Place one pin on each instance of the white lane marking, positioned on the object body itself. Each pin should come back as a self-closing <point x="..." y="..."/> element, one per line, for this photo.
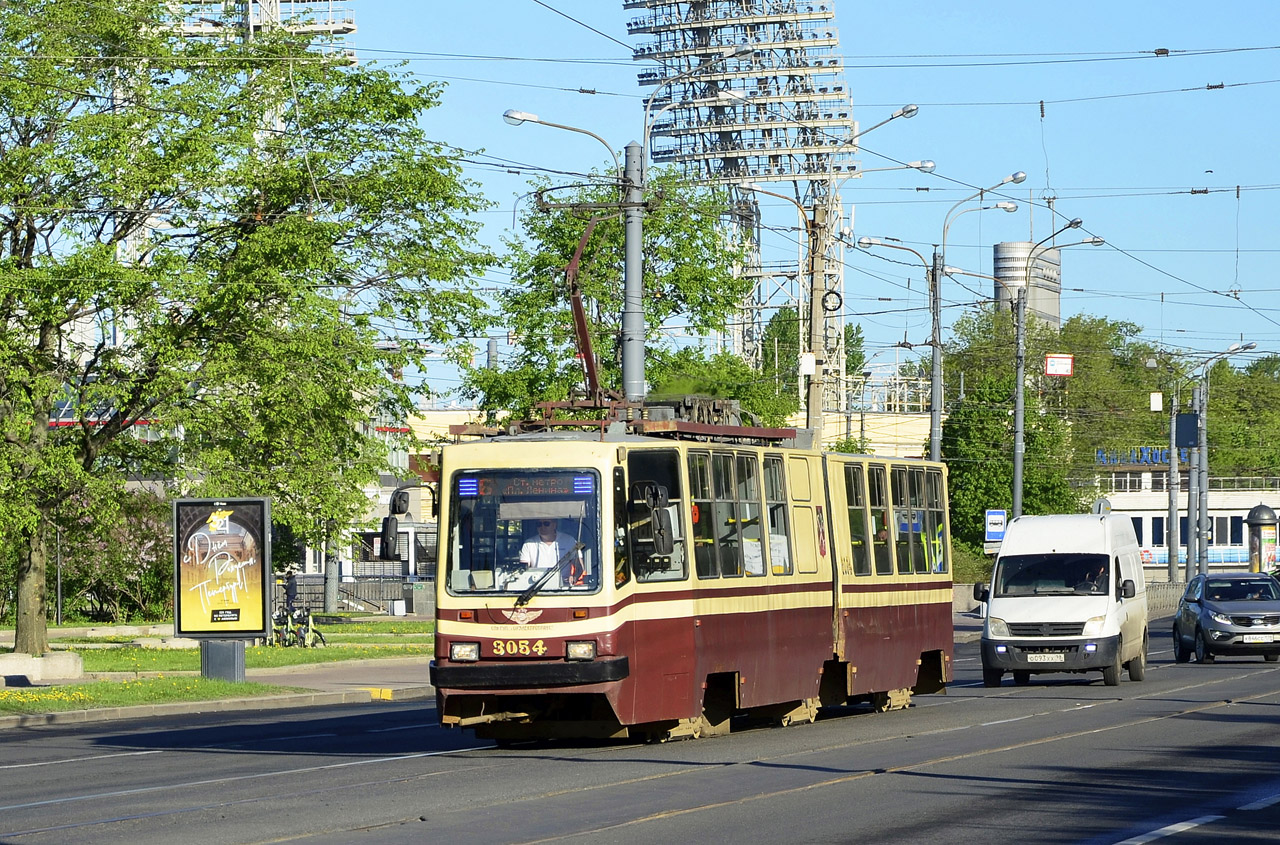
<point x="424" y="725"/>
<point x="1261" y="804"/>
<point x="233" y="779"/>
<point x="1169" y="830"/>
<point x="78" y="759"/>
<point x="1004" y="721"/>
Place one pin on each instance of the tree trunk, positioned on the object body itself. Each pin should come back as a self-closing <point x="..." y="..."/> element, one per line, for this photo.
<point x="32" y="631"/>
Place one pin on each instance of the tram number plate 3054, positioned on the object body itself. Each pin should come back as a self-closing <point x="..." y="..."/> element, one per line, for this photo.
<point x="512" y="648"/>
<point x="1046" y="657"/>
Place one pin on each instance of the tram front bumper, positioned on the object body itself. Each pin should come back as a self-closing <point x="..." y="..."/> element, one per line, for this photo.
<point x="488" y="675"/>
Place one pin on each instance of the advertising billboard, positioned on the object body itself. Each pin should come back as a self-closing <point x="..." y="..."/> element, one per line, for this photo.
<point x="222" y="567"/>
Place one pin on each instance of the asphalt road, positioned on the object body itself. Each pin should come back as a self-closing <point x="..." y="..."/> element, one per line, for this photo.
<point x="1192" y="754"/>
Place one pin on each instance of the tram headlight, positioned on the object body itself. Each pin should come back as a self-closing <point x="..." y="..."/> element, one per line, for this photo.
<point x="464" y="652"/>
<point x="580" y="651"/>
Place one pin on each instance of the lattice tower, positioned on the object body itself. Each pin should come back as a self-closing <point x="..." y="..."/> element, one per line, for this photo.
<point x="750" y="92"/>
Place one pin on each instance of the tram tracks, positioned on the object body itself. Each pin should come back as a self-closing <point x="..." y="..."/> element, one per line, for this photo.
<point x="301" y="784"/>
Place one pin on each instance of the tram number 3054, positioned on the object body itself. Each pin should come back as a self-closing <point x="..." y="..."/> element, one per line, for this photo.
<point x="510" y="648"/>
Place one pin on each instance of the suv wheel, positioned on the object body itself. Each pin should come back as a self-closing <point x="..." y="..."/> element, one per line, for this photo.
<point x="1203" y="655"/>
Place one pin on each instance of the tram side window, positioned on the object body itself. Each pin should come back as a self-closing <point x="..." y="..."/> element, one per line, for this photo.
<point x="726" y="514"/>
<point x="651" y="472"/>
<point x="857" y="519"/>
<point x="704" y="537"/>
<point x="754" y="554"/>
<point x="621" y="522"/>
<point x="775" y="502"/>
<point x="904" y="527"/>
<point x="878" y="500"/>
<point x="937" y="549"/>
<point x="919" y="527"/>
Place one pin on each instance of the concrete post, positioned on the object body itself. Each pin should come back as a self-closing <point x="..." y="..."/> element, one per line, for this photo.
<point x="633" y="326"/>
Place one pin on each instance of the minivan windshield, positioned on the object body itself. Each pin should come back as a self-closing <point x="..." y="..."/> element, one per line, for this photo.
<point x="1061" y="573"/>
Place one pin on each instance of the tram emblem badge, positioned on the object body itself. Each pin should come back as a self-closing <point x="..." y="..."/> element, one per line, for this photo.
<point x="522" y="615"/>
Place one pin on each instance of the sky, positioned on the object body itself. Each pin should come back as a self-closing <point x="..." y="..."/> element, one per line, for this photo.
<point x="1153" y="122"/>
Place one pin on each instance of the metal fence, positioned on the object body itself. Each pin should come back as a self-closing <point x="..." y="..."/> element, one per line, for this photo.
<point x="375" y="595"/>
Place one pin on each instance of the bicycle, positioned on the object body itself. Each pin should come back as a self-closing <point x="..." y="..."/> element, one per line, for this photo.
<point x="305" y="632"/>
<point x="282" y="632"/>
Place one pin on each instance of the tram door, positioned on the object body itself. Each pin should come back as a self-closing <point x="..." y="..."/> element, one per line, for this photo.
<point x="655" y="567"/>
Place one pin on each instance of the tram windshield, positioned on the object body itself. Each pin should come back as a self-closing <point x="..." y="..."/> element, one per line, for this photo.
<point x="524" y="532"/>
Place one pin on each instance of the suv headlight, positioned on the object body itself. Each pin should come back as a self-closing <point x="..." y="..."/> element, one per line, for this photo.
<point x="996" y="627"/>
<point x="464" y="652"/>
<point x="1093" y="627"/>
<point x="1220" y="618"/>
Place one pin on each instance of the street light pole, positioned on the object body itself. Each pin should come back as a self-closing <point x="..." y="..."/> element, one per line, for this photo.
<point x="1202" y="425"/>
<point x="1019" y="401"/>
<point x="935" y="313"/>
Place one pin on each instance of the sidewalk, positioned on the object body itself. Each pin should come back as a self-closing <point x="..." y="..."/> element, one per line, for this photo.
<point x="323" y="684"/>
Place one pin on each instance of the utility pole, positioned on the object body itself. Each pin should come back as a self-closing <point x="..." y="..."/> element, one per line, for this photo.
<point x="633" y="334"/>
<point x="817" y="320"/>
<point x="1193" y="495"/>
<point x="935" y="375"/>
<point x="1171" y="527"/>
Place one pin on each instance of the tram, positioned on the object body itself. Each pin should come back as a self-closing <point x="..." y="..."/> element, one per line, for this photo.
<point x="657" y="577"/>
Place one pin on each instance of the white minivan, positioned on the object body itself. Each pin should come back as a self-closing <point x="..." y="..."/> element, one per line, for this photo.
<point x="1066" y="595"/>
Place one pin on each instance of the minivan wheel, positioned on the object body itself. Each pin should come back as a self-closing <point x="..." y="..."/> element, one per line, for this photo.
<point x="1111" y="674"/>
<point x="1021" y="677"/>
<point x="1203" y="655"/>
<point x="1180" y="652"/>
<point x="1138" y="668"/>
<point x="991" y="676"/>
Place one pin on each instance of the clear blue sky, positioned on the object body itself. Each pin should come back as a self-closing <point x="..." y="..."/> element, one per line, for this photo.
<point x="1179" y="175"/>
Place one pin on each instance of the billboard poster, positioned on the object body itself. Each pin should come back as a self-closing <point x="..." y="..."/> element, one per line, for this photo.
<point x="222" y="567"/>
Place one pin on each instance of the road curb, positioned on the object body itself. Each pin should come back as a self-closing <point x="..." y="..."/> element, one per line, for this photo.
<point x="221" y="705"/>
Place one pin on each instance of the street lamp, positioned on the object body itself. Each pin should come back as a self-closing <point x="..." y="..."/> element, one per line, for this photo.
<point x="1020" y="318"/>
<point x="933" y="273"/>
<point x="1171" y="518"/>
<point x="515" y="117"/>
<point x="1202" y="412"/>
<point x="1019" y="445"/>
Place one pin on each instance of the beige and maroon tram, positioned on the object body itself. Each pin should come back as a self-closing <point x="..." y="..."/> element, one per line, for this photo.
<point x="657" y="578"/>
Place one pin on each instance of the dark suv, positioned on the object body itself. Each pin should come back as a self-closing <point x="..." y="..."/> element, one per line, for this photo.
<point x="1229" y="613"/>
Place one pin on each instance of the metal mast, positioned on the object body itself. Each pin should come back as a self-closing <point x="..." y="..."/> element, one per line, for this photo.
<point x="778" y="113"/>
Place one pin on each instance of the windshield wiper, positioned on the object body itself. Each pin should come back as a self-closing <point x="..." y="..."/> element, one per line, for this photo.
<point x="524" y="597"/>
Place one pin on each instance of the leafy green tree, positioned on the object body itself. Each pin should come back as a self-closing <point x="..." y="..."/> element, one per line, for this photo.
<point x="977" y="446"/>
<point x="1243" y="432"/>
<point x="688" y="278"/>
<point x="723" y="375"/>
<point x="121" y="569"/>
<point x="209" y="237"/>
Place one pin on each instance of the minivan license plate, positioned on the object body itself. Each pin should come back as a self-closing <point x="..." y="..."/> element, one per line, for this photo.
<point x="1046" y="657"/>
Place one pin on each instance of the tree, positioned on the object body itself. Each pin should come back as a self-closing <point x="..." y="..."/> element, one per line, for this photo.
<point x="205" y="241"/>
<point x="722" y="375"/>
<point x="688" y="278"/>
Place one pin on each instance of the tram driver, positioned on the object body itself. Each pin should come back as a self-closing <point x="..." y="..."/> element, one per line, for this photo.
<point x="548" y="548"/>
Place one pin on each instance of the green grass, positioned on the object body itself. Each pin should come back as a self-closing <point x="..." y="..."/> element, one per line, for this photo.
<point x="126" y="693"/>
<point x="351" y="637"/>
<point x="139" y="659"/>
<point x="381" y="628"/>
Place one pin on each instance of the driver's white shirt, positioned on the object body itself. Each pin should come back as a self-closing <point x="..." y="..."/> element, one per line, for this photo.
<point x="541" y="555"/>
